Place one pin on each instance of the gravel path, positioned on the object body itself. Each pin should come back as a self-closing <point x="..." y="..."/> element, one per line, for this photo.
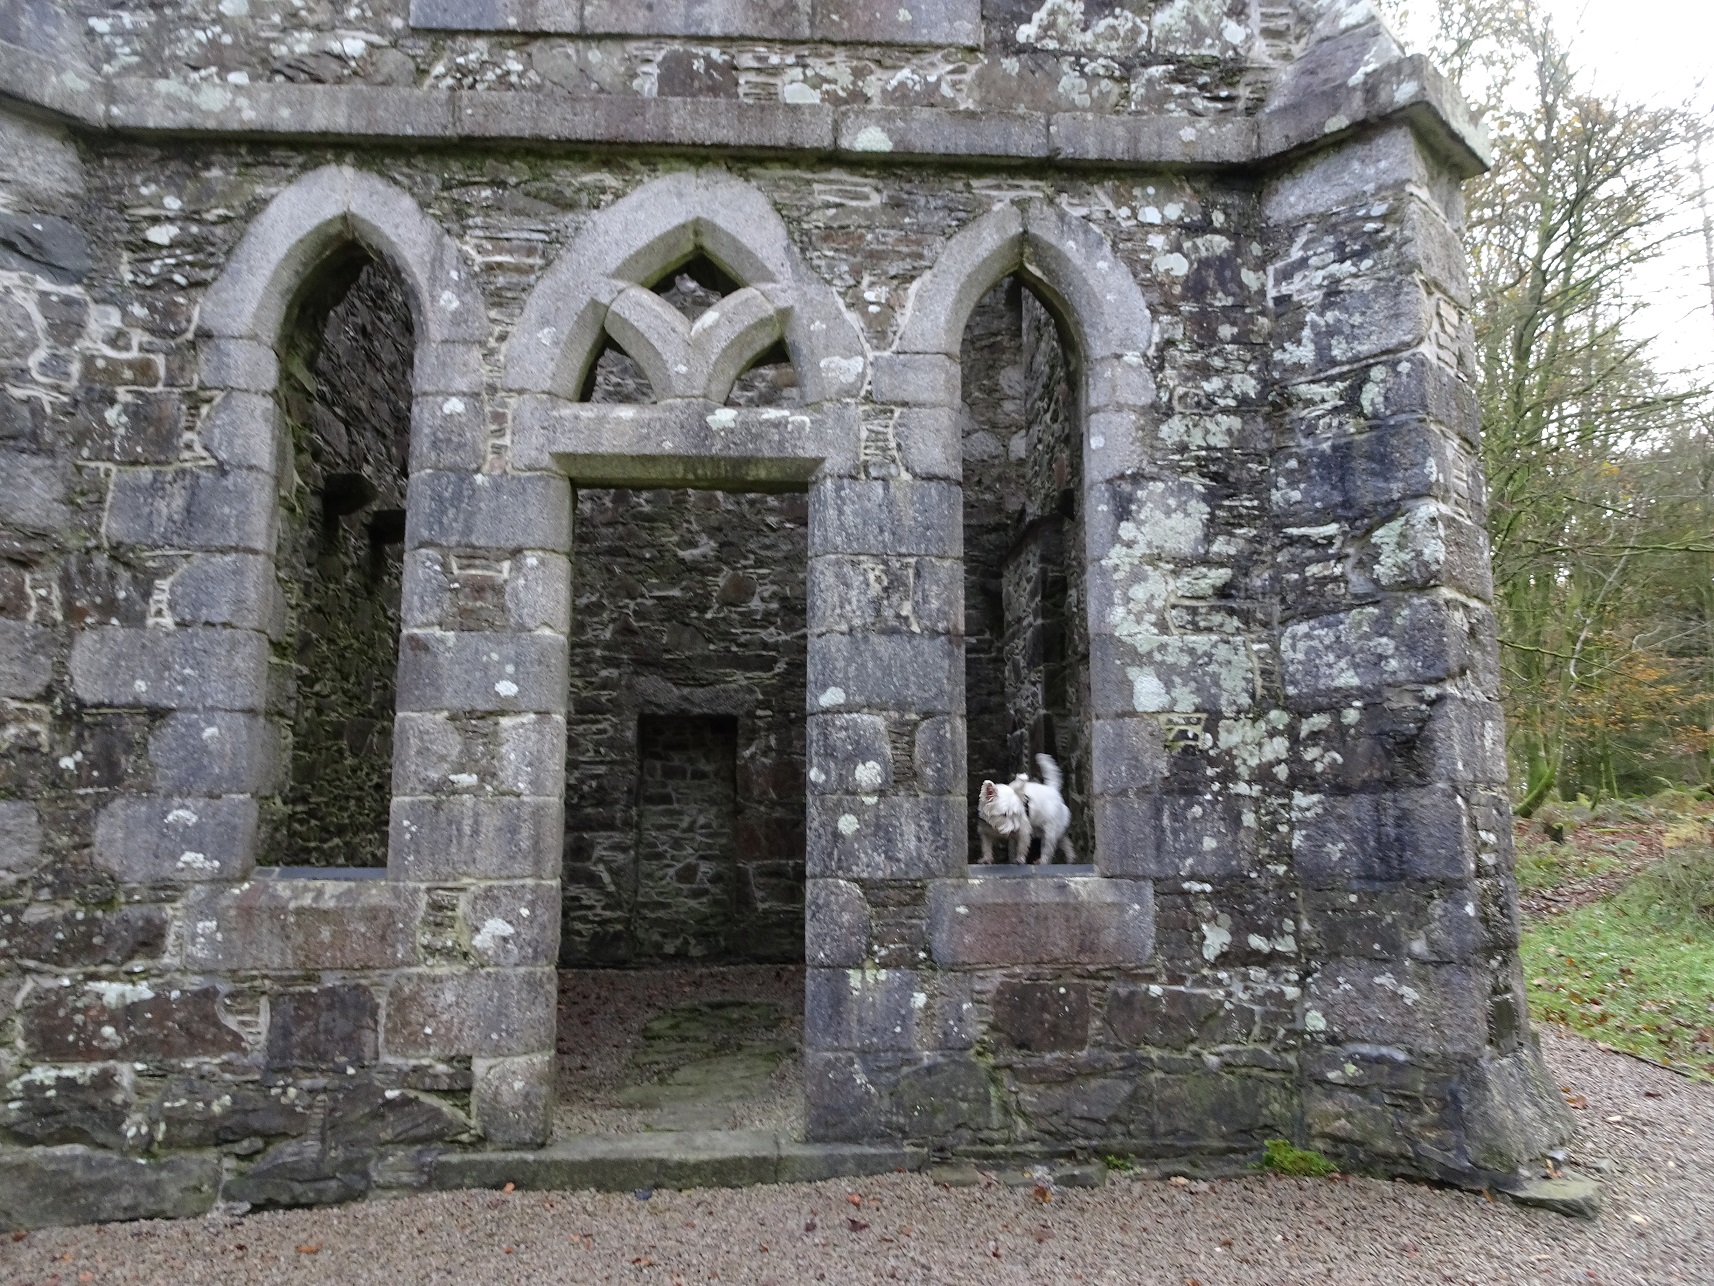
<point x="1655" y="1130"/>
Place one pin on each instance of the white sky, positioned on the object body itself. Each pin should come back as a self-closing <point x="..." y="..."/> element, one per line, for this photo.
<point x="1660" y="52"/>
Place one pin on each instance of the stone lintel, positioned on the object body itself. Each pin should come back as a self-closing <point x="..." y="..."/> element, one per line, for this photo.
<point x="689" y="443"/>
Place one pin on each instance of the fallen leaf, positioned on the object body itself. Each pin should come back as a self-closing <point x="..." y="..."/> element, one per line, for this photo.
<point x="312" y="1249"/>
<point x="506" y="1251"/>
<point x="856" y="1225"/>
<point x="809" y="1225"/>
<point x="1577" y="1101"/>
<point x="1044" y="1233"/>
<point x="1192" y="1281"/>
<point x="509" y="1187"/>
<point x="1651" y="1093"/>
<point x="19" y="1235"/>
<point x="853" y="1199"/>
<point x="1179" y="1181"/>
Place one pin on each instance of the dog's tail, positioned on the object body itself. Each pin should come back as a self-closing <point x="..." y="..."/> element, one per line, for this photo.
<point x="1049" y="770"/>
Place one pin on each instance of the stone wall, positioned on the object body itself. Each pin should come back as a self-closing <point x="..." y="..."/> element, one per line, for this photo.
<point x="1298" y="918"/>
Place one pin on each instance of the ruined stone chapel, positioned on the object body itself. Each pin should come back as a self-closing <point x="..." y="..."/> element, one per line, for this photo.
<point x="513" y="508"/>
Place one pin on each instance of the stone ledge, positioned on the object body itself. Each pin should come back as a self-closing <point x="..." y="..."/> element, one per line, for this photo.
<point x="684" y="1159"/>
<point x="1408" y="89"/>
<point x="927" y="24"/>
<point x="1045" y="919"/>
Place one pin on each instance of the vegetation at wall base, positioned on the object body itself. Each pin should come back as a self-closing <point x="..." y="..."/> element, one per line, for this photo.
<point x="1279" y="1156"/>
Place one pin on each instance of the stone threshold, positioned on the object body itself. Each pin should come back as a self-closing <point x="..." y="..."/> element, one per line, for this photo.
<point x="671" y="1159"/>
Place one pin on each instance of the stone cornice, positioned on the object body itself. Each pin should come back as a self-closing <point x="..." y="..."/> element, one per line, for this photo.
<point x="1408" y="88"/>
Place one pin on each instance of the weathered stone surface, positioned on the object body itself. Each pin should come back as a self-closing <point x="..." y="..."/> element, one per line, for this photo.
<point x="206" y="1111"/>
<point x="25" y="664"/>
<point x="177" y="840"/>
<point x="490" y="1013"/>
<point x="100" y="1021"/>
<point x="1175" y="1017"/>
<point x="58" y="1105"/>
<point x="84" y="936"/>
<point x="891" y="837"/>
<point x="335" y="1027"/>
<point x="1580" y="1198"/>
<point x="1036" y="917"/>
<point x="1427" y="1009"/>
<point x="874" y="1010"/>
<point x="290" y="925"/>
<point x="512" y="1099"/>
<point x="1042" y="1016"/>
<point x="185" y="669"/>
<point x="836" y="923"/>
<point x="440" y="839"/>
<point x="20" y="840"/>
<point x="46" y="1187"/>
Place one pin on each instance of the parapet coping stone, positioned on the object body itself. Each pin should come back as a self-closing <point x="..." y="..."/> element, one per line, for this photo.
<point x="1408" y="89"/>
<point x="671" y="1159"/>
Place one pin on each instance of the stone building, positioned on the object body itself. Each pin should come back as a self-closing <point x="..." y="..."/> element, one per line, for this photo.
<point x="494" y="485"/>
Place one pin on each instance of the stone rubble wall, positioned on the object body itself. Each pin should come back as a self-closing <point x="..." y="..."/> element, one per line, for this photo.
<point x="1301" y="920"/>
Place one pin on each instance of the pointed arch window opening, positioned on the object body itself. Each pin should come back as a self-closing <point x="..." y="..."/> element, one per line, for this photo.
<point x="346" y="350"/>
<point x="691" y="287"/>
<point x="1026" y="620"/>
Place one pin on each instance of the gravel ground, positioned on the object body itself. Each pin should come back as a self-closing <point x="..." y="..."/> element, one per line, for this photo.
<point x="1653" y="1129"/>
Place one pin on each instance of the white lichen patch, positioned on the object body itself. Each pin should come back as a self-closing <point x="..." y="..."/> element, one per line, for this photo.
<point x="1059" y="24"/>
<point x="1411" y="549"/>
<point x="493" y="932"/>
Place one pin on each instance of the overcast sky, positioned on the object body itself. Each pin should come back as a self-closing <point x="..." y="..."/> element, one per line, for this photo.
<point x="1660" y="52"/>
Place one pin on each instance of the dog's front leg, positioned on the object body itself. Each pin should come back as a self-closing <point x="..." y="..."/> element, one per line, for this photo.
<point x="1021" y="846"/>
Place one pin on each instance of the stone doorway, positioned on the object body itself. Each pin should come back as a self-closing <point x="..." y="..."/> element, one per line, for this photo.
<point x="681" y="986"/>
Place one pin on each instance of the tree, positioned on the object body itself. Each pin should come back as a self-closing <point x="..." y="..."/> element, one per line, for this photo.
<point x="1599" y="466"/>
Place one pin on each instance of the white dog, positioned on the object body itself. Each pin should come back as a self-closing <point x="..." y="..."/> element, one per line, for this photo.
<point x="1017" y="811"/>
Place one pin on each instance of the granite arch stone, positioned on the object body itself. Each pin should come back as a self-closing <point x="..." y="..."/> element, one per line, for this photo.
<point x="653" y="230"/>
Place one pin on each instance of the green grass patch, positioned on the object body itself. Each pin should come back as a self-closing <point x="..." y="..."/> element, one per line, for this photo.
<point x="1546" y="865"/>
<point x="1636" y="970"/>
<point x="1280" y="1157"/>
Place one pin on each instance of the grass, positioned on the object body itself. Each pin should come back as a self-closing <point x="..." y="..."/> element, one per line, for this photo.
<point x="1636" y="970"/>
<point x="1546" y="865"/>
<point x="1280" y="1157"/>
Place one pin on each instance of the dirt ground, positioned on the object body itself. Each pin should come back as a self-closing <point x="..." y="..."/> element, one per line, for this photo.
<point x="1647" y="1133"/>
<point x="704" y="1047"/>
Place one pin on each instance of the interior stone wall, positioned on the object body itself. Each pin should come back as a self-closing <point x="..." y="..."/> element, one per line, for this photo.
<point x="346" y="395"/>
<point x="688" y="604"/>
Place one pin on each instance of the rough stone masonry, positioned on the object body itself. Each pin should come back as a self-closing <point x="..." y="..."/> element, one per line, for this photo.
<point x="486" y="484"/>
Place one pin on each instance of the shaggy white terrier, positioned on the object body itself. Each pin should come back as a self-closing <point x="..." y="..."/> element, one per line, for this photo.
<point x="1017" y="811"/>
